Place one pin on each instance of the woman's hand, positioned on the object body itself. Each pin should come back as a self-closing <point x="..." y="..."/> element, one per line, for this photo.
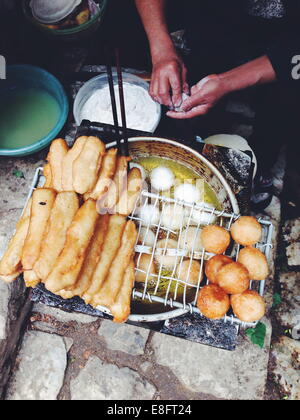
<point x="204" y="95"/>
<point x="168" y="79"/>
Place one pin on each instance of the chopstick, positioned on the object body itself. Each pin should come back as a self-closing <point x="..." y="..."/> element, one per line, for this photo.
<point x="124" y="150"/>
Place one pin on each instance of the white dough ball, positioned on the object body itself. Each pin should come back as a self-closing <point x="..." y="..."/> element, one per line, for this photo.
<point x="173" y="217"/>
<point x="146" y="238"/>
<point x="149" y="214"/>
<point x="188" y="193"/>
<point x="167" y="261"/>
<point x="162" y="178"/>
<point x="201" y="216"/>
<point x="140" y="167"/>
<point x="190" y="239"/>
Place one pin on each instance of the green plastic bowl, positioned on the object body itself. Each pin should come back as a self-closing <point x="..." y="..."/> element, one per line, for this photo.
<point x="71" y="34"/>
<point x="35" y="77"/>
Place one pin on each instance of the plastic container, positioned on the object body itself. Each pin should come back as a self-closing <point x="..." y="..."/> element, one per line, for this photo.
<point x="98" y="82"/>
<point x="71" y="34"/>
<point x="35" y="77"/>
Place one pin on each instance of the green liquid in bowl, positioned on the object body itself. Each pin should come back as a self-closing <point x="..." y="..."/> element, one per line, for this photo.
<point x="26" y="116"/>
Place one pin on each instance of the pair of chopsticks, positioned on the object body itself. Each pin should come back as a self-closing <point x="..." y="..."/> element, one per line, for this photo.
<point x="122" y="145"/>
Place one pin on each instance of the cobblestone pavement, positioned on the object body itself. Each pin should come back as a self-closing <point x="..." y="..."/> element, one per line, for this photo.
<point x="69" y="356"/>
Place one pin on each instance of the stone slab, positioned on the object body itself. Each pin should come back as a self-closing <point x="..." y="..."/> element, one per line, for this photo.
<point x="124" y="337"/>
<point x="289" y="309"/>
<point x="63" y="316"/>
<point x="102" y="381"/>
<point x="41" y="369"/>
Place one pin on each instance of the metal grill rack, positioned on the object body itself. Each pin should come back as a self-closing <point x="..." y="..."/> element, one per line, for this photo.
<point x="187" y="249"/>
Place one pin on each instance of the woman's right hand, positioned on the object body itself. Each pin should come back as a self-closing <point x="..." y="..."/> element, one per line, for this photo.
<point x="169" y="79"/>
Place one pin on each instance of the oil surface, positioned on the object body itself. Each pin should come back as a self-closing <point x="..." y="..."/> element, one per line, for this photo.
<point x="26" y="116"/>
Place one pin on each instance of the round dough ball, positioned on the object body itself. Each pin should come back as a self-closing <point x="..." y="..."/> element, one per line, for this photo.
<point x="143" y="264"/>
<point x="248" y="306"/>
<point x="246" y="231"/>
<point x="201" y="217"/>
<point x="189" y="272"/>
<point x="213" y="266"/>
<point x="146" y="237"/>
<point x="167" y="261"/>
<point x="190" y="239"/>
<point x="233" y="278"/>
<point x="255" y="262"/>
<point x="162" y="178"/>
<point x="215" y="239"/>
<point x="213" y="302"/>
<point x="173" y="216"/>
<point x="188" y="193"/>
<point x="149" y="214"/>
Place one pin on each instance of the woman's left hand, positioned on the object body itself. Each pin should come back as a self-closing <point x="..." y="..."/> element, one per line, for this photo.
<point x="204" y="95"/>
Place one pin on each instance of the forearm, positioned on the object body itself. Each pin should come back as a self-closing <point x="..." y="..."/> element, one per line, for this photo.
<point x="152" y="14"/>
<point x="253" y="73"/>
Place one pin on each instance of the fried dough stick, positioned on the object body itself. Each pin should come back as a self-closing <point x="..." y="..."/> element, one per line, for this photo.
<point x="42" y="203"/>
<point x="56" y="155"/>
<point x="69" y="263"/>
<point x="31" y="279"/>
<point x="70" y="157"/>
<point x="10" y="264"/>
<point x="117" y="186"/>
<point x="129" y="197"/>
<point x="107" y="172"/>
<point x="48" y="175"/>
<point x="63" y="212"/>
<point x="120" y="309"/>
<point x="91" y="260"/>
<point x="110" y="248"/>
<point x="112" y="285"/>
<point x="87" y="165"/>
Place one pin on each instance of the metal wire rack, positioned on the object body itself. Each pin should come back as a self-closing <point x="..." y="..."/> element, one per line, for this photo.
<point x="176" y="228"/>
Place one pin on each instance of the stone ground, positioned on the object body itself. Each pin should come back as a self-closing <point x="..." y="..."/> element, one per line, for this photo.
<point x="67" y="356"/>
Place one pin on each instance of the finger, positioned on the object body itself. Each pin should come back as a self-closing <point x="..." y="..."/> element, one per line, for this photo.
<point x="185" y="85"/>
<point x="163" y="93"/>
<point x="194" y="89"/>
<point x="192" y="102"/>
<point x="154" y="89"/>
<point x="195" y="112"/>
<point x="176" y="87"/>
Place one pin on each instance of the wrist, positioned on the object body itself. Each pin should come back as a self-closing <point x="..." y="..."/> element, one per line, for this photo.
<point x="162" y="48"/>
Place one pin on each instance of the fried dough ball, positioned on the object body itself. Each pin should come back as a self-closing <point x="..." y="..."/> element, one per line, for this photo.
<point x="143" y="264"/>
<point x="213" y="302"/>
<point x="167" y="261"/>
<point x="233" y="278"/>
<point x="248" y="306"/>
<point x="246" y="231"/>
<point x="255" y="262"/>
<point x="189" y="272"/>
<point x="214" y="264"/>
<point x="215" y="239"/>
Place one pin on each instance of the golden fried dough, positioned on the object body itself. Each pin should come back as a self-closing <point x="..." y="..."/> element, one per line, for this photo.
<point x="248" y="306"/>
<point x="67" y="165"/>
<point x="255" y="262"/>
<point x="120" y="309"/>
<point x="214" y="264"/>
<point x="31" y="279"/>
<point x="246" y="231"/>
<point x="107" y="172"/>
<point x="10" y="264"/>
<point x="213" y="302"/>
<point x="129" y="197"/>
<point x="233" y="278"/>
<point x="63" y="212"/>
<point x="57" y="152"/>
<point x="91" y="260"/>
<point x="87" y="165"/>
<point x="71" y="259"/>
<point x="190" y="272"/>
<point x="112" y="285"/>
<point x="215" y="239"/>
<point x="167" y="261"/>
<point x="48" y="175"/>
<point x="144" y="263"/>
<point x="42" y="203"/>
<point x="110" y="248"/>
